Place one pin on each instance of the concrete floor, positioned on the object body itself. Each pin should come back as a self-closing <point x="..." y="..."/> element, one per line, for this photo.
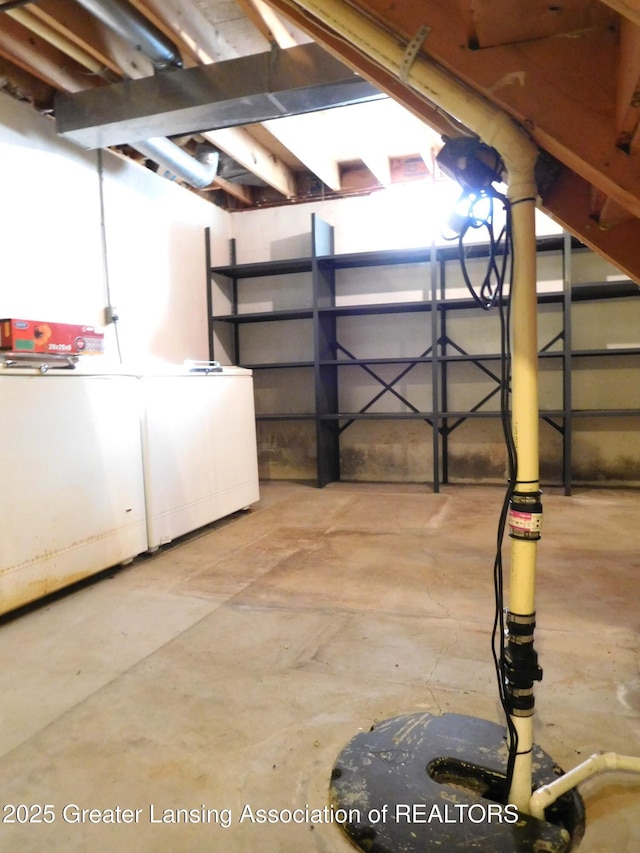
<point x="231" y="668"/>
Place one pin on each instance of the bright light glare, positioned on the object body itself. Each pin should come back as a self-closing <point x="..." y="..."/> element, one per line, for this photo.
<point x="412" y="214"/>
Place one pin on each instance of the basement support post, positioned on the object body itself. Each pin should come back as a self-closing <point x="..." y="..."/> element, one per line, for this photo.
<point x="526" y="510"/>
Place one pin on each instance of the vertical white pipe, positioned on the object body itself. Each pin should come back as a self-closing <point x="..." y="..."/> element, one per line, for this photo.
<point x="524" y="311"/>
<point x="496" y="129"/>
<point x="524" y="375"/>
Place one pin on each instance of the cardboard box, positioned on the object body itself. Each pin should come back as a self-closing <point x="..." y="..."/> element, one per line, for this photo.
<point x="40" y="337"/>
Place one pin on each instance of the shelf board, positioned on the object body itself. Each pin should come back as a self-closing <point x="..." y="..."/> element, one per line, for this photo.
<point x="605" y="413"/>
<point x="423" y="416"/>
<point x="476" y="357"/>
<point x="278" y="365"/>
<point x="409" y="256"/>
<point x="597" y="290"/>
<point x="375" y="308"/>
<point x="439" y="416"/>
<point x="286" y="416"/>
<point x="340" y="362"/>
<point x="427" y="359"/>
<point x="361" y="309"/>
<point x="264" y="268"/>
<point x="422" y="254"/>
<point x="377" y="416"/>
<point x="420" y="416"/>
<point x="265" y="316"/>
<point x="598" y="353"/>
<point x="482" y="413"/>
<point x="384" y="257"/>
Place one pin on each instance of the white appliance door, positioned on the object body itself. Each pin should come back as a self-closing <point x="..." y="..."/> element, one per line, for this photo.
<point x="199" y="448"/>
<point x="71" y="479"/>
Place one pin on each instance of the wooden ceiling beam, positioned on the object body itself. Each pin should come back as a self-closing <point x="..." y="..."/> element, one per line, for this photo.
<point x="628" y="87"/>
<point x="548" y="86"/>
<point x="241" y="193"/>
<point x="305" y="137"/>
<point x="25" y="86"/>
<point x="60" y="40"/>
<point x="254" y="157"/>
<point x="197" y="39"/>
<point x="358" y="177"/>
<point x="171" y="29"/>
<point x="83" y="29"/>
<point x="569" y="202"/>
<point x="629" y="9"/>
<point x="498" y="22"/>
<point x="32" y="53"/>
<point x="268" y="23"/>
<point x="610" y="214"/>
<point x="72" y="21"/>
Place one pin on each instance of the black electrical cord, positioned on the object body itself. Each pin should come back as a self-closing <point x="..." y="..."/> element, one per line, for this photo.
<point x="498" y="644"/>
<point x="477" y="168"/>
<point x="488" y="293"/>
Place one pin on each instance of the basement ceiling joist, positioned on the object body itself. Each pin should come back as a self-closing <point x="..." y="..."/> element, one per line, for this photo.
<point x="54" y="47"/>
<point x="564" y="72"/>
<point x="568" y="73"/>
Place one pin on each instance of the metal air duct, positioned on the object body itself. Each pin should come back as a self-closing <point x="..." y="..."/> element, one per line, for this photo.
<point x="134" y="28"/>
<point x="198" y="171"/>
<point x="123" y="19"/>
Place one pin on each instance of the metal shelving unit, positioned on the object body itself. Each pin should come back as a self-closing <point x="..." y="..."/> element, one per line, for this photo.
<point x="328" y="355"/>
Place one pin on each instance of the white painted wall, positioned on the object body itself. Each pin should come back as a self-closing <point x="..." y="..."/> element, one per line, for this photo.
<point x="52" y="264"/>
<point x="404" y="216"/>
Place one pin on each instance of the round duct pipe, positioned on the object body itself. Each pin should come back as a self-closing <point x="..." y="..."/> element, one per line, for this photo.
<point x="198" y="171"/>
<point x="136" y="30"/>
<point x="123" y="19"/>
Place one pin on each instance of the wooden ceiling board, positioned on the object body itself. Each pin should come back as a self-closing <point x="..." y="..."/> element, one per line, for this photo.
<point x="32" y="53"/>
<point x="205" y="40"/>
<point x="628" y="92"/>
<point x="563" y="90"/>
<point x="629" y="9"/>
<point x="500" y="22"/>
<point x="569" y="202"/>
<point x="548" y="86"/>
<point x="71" y="20"/>
<point x="23" y="86"/>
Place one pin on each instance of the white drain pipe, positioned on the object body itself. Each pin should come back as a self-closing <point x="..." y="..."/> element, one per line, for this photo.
<point x="600" y="762"/>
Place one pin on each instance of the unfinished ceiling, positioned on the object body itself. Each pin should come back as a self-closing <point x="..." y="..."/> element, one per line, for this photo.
<point x="211" y="75"/>
<point x="263" y="117"/>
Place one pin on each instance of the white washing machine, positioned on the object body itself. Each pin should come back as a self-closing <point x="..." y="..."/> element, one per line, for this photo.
<point x="199" y="449"/>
